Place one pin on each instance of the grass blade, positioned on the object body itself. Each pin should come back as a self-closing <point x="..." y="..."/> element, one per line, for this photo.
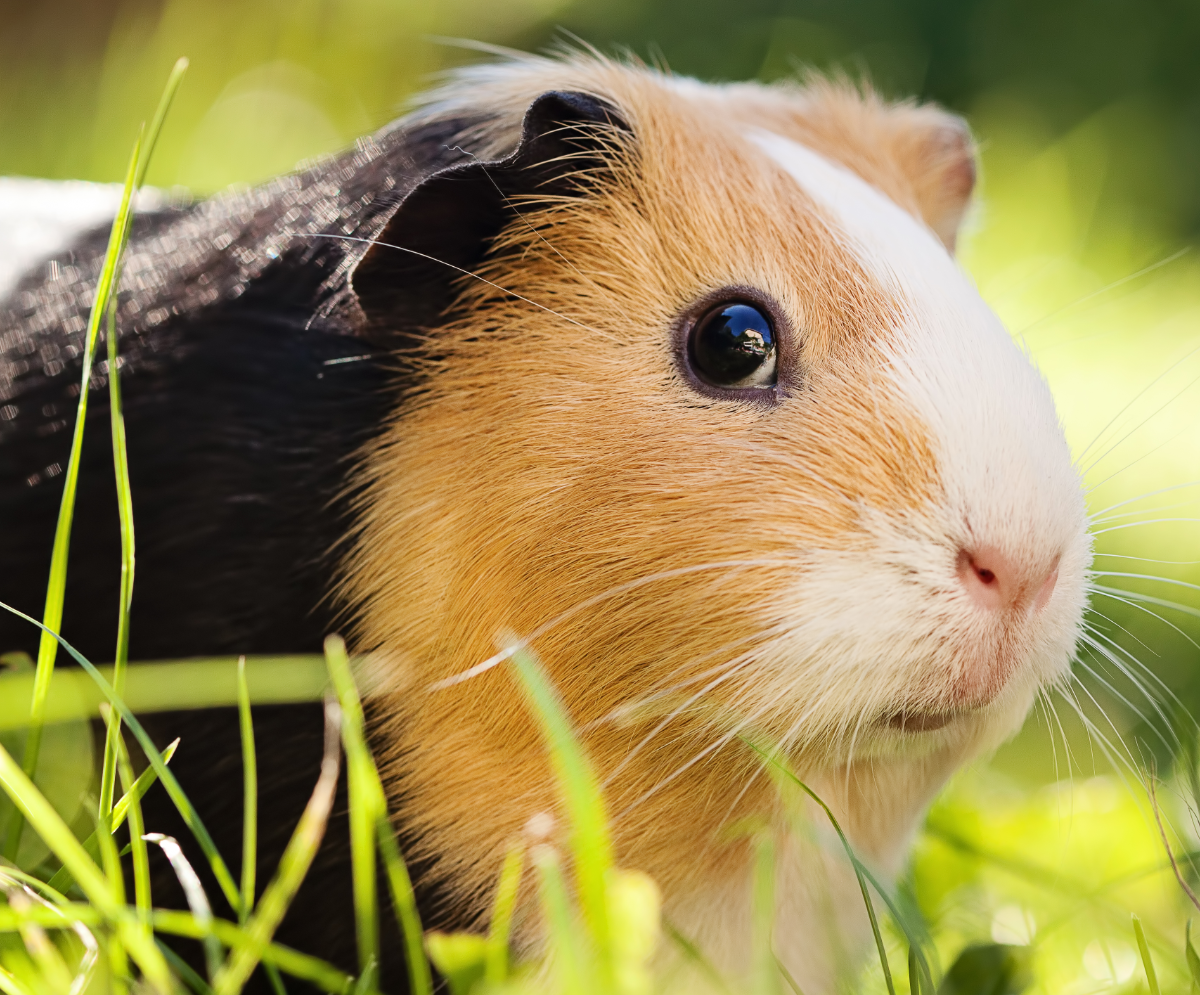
<point x="1144" y="950"/>
<point x="58" y="836"/>
<point x="293" y="865"/>
<point x="193" y="891"/>
<point x="591" y="845"/>
<point x="563" y="937"/>
<point x="694" y="956"/>
<point x="160" y="116"/>
<point x="180" y="799"/>
<point x="860" y="871"/>
<point x="249" y="793"/>
<point x="9" y="984"/>
<point x="367" y="804"/>
<point x="370" y="792"/>
<point x="120" y="450"/>
<point x="62" y="878"/>
<point x="157" y="686"/>
<point x="250" y="813"/>
<point x="141" y="859"/>
<point x="766" y="974"/>
<point x="185" y="971"/>
<point x="496" y="965"/>
<point x="56" y="585"/>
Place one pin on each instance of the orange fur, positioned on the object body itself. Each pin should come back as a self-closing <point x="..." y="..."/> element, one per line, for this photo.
<point x="555" y="458"/>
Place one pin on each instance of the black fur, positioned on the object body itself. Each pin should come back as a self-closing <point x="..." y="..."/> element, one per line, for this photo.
<point x="257" y="359"/>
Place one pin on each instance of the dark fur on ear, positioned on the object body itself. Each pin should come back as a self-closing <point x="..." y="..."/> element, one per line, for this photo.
<point x="443" y="227"/>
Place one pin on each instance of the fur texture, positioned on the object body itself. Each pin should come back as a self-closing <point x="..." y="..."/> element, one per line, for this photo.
<point x="696" y="567"/>
<point x="486" y="423"/>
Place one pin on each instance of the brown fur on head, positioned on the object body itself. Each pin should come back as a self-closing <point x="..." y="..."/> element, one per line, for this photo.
<point x="697" y="563"/>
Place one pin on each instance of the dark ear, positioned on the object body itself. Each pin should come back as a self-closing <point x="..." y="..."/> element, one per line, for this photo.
<point x="446" y="223"/>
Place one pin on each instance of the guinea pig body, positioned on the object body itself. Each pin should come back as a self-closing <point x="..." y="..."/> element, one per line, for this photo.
<point x="679" y="382"/>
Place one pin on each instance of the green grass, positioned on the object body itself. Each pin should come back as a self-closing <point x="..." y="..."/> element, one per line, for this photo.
<point x="67" y="924"/>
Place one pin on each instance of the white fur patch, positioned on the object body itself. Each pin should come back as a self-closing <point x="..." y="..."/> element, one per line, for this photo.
<point x="41" y="217"/>
<point x="1006" y="474"/>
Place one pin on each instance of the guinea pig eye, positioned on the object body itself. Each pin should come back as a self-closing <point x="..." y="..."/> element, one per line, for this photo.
<point x="733" y="345"/>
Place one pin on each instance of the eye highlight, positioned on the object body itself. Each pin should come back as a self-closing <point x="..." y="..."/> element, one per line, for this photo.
<point x="733" y="345"/>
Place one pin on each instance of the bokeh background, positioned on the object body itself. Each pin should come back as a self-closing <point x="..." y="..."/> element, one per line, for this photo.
<point x="1084" y="240"/>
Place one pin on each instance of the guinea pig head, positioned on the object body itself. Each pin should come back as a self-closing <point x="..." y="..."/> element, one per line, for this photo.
<point x="712" y="416"/>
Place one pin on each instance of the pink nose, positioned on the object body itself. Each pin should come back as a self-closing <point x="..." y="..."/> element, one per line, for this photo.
<point x="997" y="583"/>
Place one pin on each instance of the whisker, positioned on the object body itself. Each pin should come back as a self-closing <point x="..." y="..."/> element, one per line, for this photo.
<point x="1150" y="521"/>
<point x="1149" y="599"/>
<point x="1111" y="651"/>
<point x="591" y="602"/>
<point x="733" y="669"/>
<point x="448" y="265"/>
<point x="1137" y="397"/>
<point x="1148" y="494"/>
<point x="1092" y="488"/>
<point x="1171" y="400"/>
<point x="1164" y="580"/>
<point x="1125" y="515"/>
<point x="1129" y="278"/>
<point x="1145" y="559"/>
<point x="1097" y="647"/>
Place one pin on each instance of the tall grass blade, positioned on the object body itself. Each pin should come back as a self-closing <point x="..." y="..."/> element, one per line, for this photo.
<point x="591" y="845"/>
<point x="9" y="984"/>
<point x="297" y="857"/>
<point x="367" y="790"/>
<point x="696" y="958"/>
<point x="185" y="970"/>
<point x="249" y="794"/>
<point x="294" y="963"/>
<point x="793" y="984"/>
<point x="110" y="860"/>
<point x="120" y="450"/>
<point x="161" y="685"/>
<point x="53" y="970"/>
<point x="404" y="902"/>
<point x="366" y="801"/>
<point x="56" y="586"/>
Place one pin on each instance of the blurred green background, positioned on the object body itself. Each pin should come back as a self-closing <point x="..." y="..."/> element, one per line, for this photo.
<point x="1088" y="116"/>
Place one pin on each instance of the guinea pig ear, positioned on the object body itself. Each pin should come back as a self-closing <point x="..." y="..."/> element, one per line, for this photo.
<point x="443" y="227"/>
<point x="937" y="154"/>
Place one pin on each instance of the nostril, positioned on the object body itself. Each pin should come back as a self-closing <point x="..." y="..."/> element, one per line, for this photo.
<point x="996" y="582"/>
<point x="986" y="577"/>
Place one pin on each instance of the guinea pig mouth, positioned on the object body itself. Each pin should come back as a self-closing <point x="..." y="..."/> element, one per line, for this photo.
<point x="918" y="721"/>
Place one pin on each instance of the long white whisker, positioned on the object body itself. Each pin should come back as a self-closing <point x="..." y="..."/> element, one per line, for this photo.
<point x="1147" y="598"/>
<point x="596" y="599"/>
<point x="1137" y="397"/>
<point x="1105" y="290"/>
<point x="1142" y="497"/>
<point x="1138" y="525"/>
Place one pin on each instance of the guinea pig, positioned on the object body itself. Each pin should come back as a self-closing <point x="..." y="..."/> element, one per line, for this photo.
<point x="679" y="381"/>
